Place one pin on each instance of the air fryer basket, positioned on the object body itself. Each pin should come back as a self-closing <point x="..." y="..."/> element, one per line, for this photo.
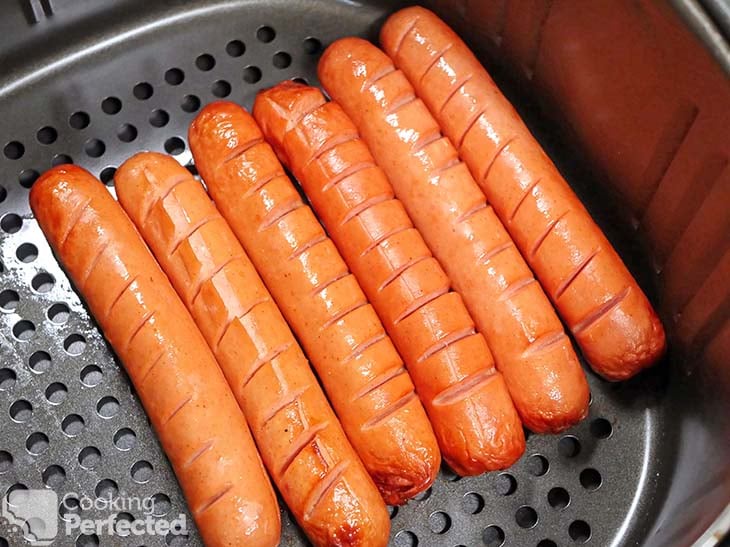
<point x="95" y="81"/>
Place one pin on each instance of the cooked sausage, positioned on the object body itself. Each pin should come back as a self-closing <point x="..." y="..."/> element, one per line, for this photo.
<point x="604" y="307"/>
<point x="466" y="399"/>
<point x="302" y="444"/>
<point x="530" y="347"/>
<point x="360" y="369"/>
<point x="199" y="424"/>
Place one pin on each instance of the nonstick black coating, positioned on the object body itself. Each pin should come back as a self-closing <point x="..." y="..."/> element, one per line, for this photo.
<point x="112" y="83"/>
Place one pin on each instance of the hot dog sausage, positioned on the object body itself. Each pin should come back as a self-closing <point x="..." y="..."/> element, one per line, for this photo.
<point x="530" y="347"/>
<point x="187" y="399"/>
<point x="465" y="398"/>
<point x="609" y="315"/>
<point x="360" y="369"/>
<point x="302" y="444"/>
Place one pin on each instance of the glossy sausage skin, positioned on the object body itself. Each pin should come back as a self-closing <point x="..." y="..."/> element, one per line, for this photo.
<point x="466" y="399"/>
<point x="531" y="349"/>
<point x="199" y="424"/>
<point x="609" y="315"/>
<point x="360" y="369"/>
<point x="302" y="444"/>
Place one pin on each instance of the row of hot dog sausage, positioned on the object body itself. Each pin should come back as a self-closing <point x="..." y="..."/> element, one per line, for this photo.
<point x="397" y="312"/>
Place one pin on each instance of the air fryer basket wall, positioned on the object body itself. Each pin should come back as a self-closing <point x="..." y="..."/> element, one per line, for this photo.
<point x="623" y="96"/>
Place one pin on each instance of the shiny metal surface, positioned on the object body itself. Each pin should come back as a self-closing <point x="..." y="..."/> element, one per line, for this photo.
<point x="97" y="82"/>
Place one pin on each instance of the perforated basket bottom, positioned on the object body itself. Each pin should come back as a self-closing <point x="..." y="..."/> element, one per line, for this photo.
<point x="69" y="419"/>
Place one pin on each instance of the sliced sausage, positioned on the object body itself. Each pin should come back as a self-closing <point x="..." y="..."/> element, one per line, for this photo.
<point x="360" y="369"/>
<point x="302" y="444"/>
<point x="530" y="347"/>
<point x="609" y="315"/>
<point x="199" y="424"/>
<point x="466" y="399"/>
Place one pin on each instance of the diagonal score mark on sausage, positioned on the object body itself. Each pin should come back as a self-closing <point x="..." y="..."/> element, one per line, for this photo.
<point x="483" y="177"/>
<point x="145" y="318"/>
<point x="424" y="140"/>
<point x="603" y="310"/>
<point x="399" y="43"/>
<point x="473" y="211"/>
<point x="565" y="284"/>
<point x="156" y="361"/>
<point x="439" y="172"/>
<point x="193" y="228"/>
<point x="362" y="347"/>
<point x="241" y="149"/>
<point x="377" y="241"/>
<point x="203" y="507"/>
<point x="379" y="75"/>
<point x="420" y="302"/>
<point x="263" y="360"/>
<point x="316" y="240"/>
<point x="364" y="206"/>
<point x="323" y="487"/>
<point x="522" y="199"/>
<point x="117" y="298"/>
<point x="199" y="453"/>
<point x="448" y="340"/>
<point x="284" y="401"/>
<point x="457" y="87"/>
<point x="279" y="212"/>
<point x="400" y="103"/>
<point x="299" y="443"/>
<point x="84" y="277"/>
<point x="491" y="253"/>
<point x="343" y="313"/>
<point x="434" y="62"/>
<point x="395" y="274"/>
<point x="389" y="411"/>
<point x="540" y="240"/>
<point x="261" y="182"/>
<point x="468" y="126"/>
<point x="177" y="410"/>
<point x="73" y="222"/>
<point x="380" y="381"/>
<point x="331" y="144"/>
<point x="515" y="288"/>
<point x="347" y="173"/>
<point x="205" y="279"/>
<point x="325" y="284"/>
<point x="459" y="391"/>
<point x="544" y="342"/>
<point x="291" y="124"/>
<point x="229" y="322"/>
<point x="173" y="183"/>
